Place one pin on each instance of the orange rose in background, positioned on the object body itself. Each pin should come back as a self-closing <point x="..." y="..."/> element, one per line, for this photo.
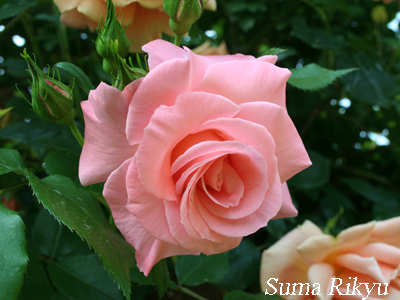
<point x="145" y="19"/>
<point x="362" y="261"/>
<point x="207" y="49"/>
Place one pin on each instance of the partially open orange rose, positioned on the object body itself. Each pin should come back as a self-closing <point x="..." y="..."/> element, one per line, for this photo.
<point x="361" y="263"/>
<point x="145" y="19"/>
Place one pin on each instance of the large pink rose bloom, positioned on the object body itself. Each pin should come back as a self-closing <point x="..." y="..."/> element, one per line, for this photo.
<point x="363" y="254"/>
<point x="145" y="19"/>
<point x="196" y="154"/>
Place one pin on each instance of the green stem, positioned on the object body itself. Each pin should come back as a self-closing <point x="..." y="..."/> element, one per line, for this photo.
<point x="189" y="292"/>
<point x="76" y="132"/>
<point x="178" y="39"/>
<point x="12" y="22"/>
<point x="27" y="22"/>
<point x="62" y="38"/>
<point x="5" y="190"/>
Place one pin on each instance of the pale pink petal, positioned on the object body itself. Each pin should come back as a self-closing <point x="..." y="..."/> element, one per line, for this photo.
<point x="213" y="177"/>
<point x="268" y="58"/>
<point x="282" y="261"/>
<point x="248" y="133"/>
<point x="195" y="244"/>
<point x="161" y="51"/>
<point x="149" y="3"/>
<point x="93" y="9"/>
<point x="364" y="265"/>
<point x="324" y="247"/>
<point x="387" y="231"/>
<point x="162" y="86"/>
<point x="382" y="252"/>
<point x="167" y="127"/>
<point x="105" y="117"/>
<point x="322" y="274"/>
<point x="64" y="6"/>
<point x="290" y="151"/>
<point x="73" y="18"/>
<point x="148" y="210"/>
<point x="287" y="210"/>
<point x="249" y="224"/>
<point x="147" y="25"/>
<point x="149" y="250"/>
<point x="246" y="81"/>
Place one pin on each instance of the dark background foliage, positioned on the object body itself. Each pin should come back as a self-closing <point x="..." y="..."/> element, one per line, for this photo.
<point x="351" y="130"/>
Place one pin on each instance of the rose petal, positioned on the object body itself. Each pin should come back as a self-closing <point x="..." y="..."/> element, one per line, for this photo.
<point x="282" y="261"/>
<point x="251" y="223"/>
<point x="146" y="207"/>
<point x="387" y="231"/>
<point x="167" y="127"/>
<point x="149" y="250"/>
<point x="322" y="274"/>
<point x="181" y="235"/>
<point x="382" y="252"/>
<point x="364" y="265"/>
<point x="174" y="78"/>
<point x="246" y="81"/>
<point x="287" y="210"/>
<point x="169" y="52"/>
<point x="105" y="117"/>
<point x="73" y="18"/>
<point x="317" y="248"/>
<point x="290" y="151"/>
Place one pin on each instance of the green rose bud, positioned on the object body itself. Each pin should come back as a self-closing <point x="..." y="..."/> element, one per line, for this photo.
<point x="112" y="31"/>
<point x="184" y="12"/>
<point x="51" y="99"/>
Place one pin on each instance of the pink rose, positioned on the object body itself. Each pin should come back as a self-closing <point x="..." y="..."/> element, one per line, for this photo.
<point x="146" y="18"/>
<point x="196" y="154"/>
<point x="360" y="255"/>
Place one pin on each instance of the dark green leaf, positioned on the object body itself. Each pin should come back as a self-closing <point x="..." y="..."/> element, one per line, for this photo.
<point x="244" y="266"/>
<point x="13" y="255"/>
<point x="318" y="38"/>
<point x="41" y="133"/>
<point x="11" y="161"/>
<point x="13" y="8"/>
<point x="60" y="163"/>
<point x="315" y="176"/>
<point x="272" y="51"/>
<point x="161" y="278"/>
<point x="36" y="284"/>
<point x="312" y="77"/>
<point x="77" y="209"/>
<point x="138" y="277"/>
<point x="83" y="278"/>
<point x="371" y="84"/>
<point x="81" y="78"/>
<point x="54" y="239"/>
<point x="194" y="270"/>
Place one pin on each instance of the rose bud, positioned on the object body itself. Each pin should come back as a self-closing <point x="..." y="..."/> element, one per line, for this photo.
<point x="183" y="14"/>
<point x="112" y="31"/>
<point x="51" y="99"/>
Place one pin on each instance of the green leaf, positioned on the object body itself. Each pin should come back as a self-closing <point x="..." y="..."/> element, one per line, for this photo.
<point x="79" y="211"/>
<point x="244" y="266"/>
<point x="313" y="77"/>
<point x="194" y="270"/>
<point x="83" y="278"/>
<point x="318" y="38"/>
<point x="273" y="51"/>
<point x="11" y="161"/>
<point x="161" y="278"/>
<point x="13" y="255"/>
<point x="42" y="134"/>
<point x="75" y="72"/>
<point x="60" y="163"/>
<point x="371" y="84"/>
<point x="315" y="176"/>
<point x="13" y="8"/>
<point x="240" y="295"/>
<point x="36" y="284"/>
<point x="54" y="240"/>
<point x="3" y="112"/>
<point x="139" y="278"/>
